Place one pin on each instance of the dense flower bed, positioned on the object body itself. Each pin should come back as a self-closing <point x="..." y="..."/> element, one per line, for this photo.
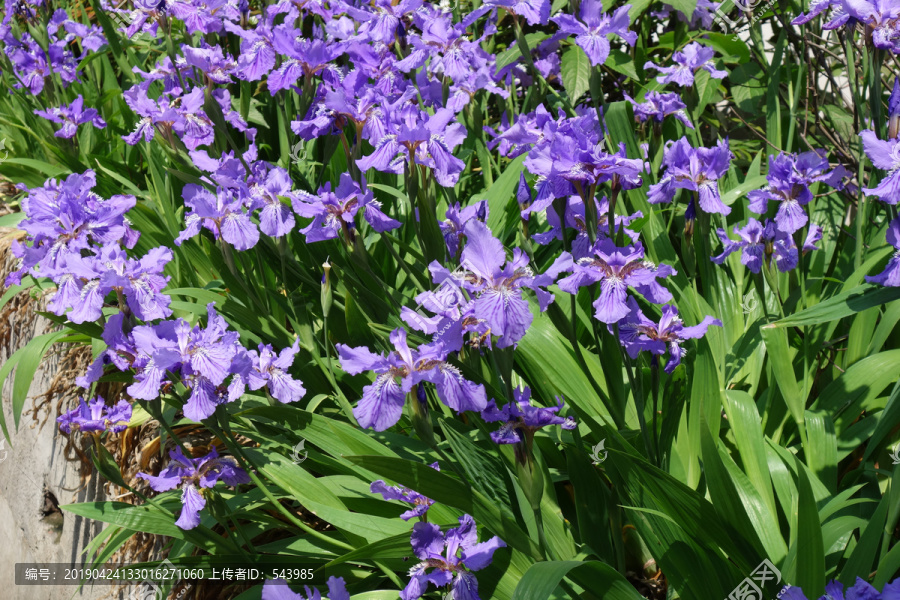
<point x="603" y="298"/>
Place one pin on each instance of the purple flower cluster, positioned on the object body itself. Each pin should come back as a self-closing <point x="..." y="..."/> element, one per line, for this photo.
<point x="33" y="65"/>
<point x="446" y="51"/>
<point x="201" y="358"/>
<point x="238" y="194"/>
<point x="94" y="416"/>
<point x="397" y="372"/>
<point x="65" y="217"/>
<point x="192" y="475"/>
<point x="568" y="156"/>
<point x="413" y="137"/>
<point x="178" y="111"/>
<point x="789" y="179"/>
<point x="447" y="559"/>
<point x="75" y="238"/>
<point x="483" y="296"/>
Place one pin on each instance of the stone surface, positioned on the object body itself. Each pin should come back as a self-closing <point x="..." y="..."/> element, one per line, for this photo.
<point x="36" y="471"/>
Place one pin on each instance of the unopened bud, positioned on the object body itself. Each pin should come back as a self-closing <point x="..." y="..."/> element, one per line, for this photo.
<point x="326" y="289"/>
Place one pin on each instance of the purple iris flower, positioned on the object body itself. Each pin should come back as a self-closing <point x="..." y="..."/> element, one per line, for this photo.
<point x="84" y="282"/>
<point x="300" y="57"/>
<point x="569" y="156"/>
<point x="658" y="106"/>
<point x="277" y="589"/>
<point x="382" y="401"/>
<point x="689" y="60"/>
<point x="189" y="473"/>
<point x="199" y="16"/>
<point x="454" y="315"/>
<point x="817" y="7"/>
<point x="270" y="369"/>
<point x="95" y="415"/>
<point x="697" y="169"/>
<point x="453" y="226"/>
<point x="879" y="18"/>
<point x="637" y="332"/>
<point x="144" y="18"/>
<point x="192" y="125"/>
<point x="275" y="218"/>
<point x="201" y="358"/>
<point x="29" y="63"/>
<point x="215" y="66"/>
<point x="71" y="116"/>
<point x="450" y="557"/>
<point x="496" y="283"/>
<point x="761" y="241"/>
<point x="884" y="155"/>
<point x="521" y="419"/>
<point x="535" y="12"/>
<point x="333" y="213"/>
<point x="789" y="178"/>
<point x="617" y="269"/>
<point x="420" y="503"/>
<point x="891" y="275"/>
<point x="594" y="26"/>
<point x="153" y="113"/>
<point x="63" y="218"/>
<point x="415" y="137"/>
<point x="92" y="38"/>
<point x="119" y="351"/>
<point x="380" y="23"/>
<point x="222" y="213"/>
<point x="861" y="590"/>
<point x="341" y="100"/>
<point x="257" y="56"/>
